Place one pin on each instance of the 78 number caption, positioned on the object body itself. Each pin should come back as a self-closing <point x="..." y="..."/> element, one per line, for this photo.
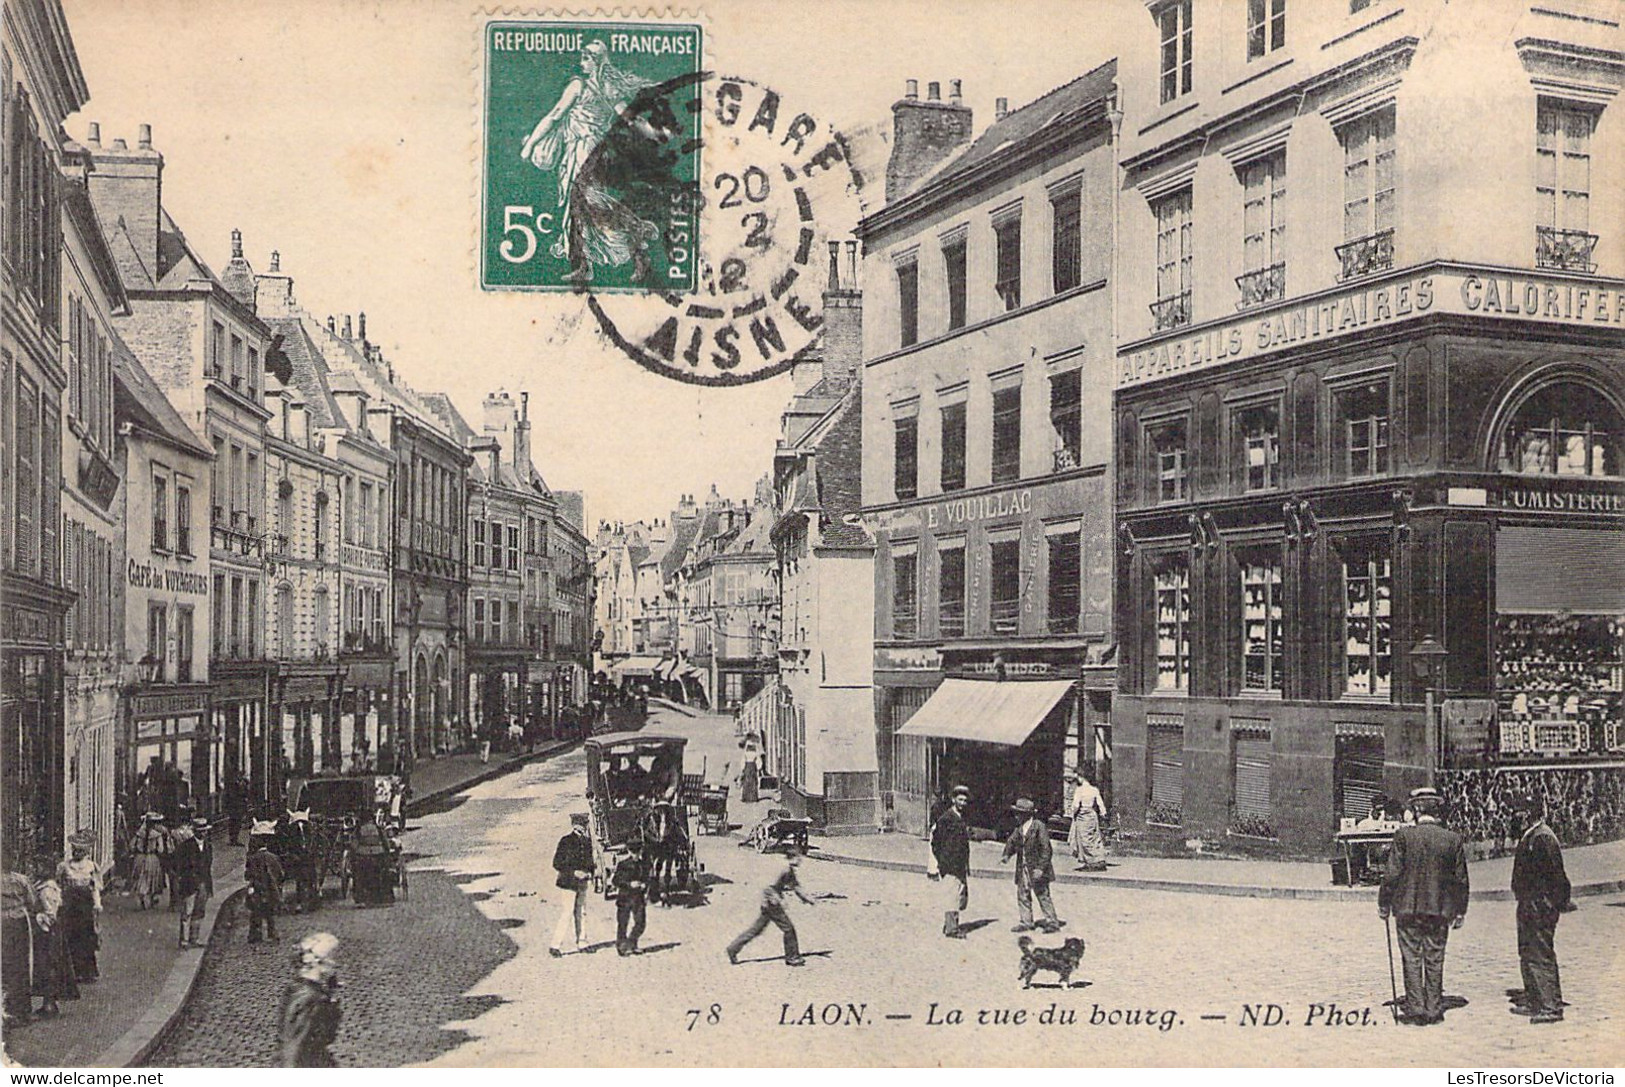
<point x="709" y="1016"/>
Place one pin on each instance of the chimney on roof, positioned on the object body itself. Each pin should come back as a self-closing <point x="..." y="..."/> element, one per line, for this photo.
<point x="521" y="440"/>
<point x="843" y="318"/>
<point x="923" y="135"/>
<point x="911" y="88"/>
<point x="1001" y="108"/>
<point x="144" y="137"/>
<point x="361" y="326"/>
<point x="273" y="291"/>
<point x="954" y="88"/>
<point x="238" y="277"/>
<point x="128" y="185"/>
<point x="347" y="327"/>
<point x="94" y="138"/>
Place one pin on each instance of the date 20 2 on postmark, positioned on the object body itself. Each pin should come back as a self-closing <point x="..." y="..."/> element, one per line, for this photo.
<point x="576" y="198"/>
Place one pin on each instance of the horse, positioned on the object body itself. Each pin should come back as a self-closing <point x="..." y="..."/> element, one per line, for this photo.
<point x="664" y="829"/>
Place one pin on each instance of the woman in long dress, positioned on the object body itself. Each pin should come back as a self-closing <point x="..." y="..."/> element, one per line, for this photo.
<point x="54" y="978"/>
<point x="81" y="880"/>
<point x="593" y="228"/>
<point x="150" y="847"/>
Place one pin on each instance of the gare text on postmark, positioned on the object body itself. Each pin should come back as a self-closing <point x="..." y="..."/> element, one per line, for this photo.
<point x="589" y="177"/>
<point x="777" y="184"/>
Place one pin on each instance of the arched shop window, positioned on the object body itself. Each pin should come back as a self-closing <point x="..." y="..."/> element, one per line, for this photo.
<point x="1565" y="429"/>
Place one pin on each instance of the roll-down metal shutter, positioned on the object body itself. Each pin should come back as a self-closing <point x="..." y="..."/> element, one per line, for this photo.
<point x="1253" y="775"/>
<point x="1550" y="570"/>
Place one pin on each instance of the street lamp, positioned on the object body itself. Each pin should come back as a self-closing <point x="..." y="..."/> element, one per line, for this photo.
<point x="1426" y="656"/>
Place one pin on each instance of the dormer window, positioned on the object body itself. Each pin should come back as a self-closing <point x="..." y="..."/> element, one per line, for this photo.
<point x="1174" y="26"/>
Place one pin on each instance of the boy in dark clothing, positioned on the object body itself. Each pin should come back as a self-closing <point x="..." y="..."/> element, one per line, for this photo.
<point x="264" y="875"/>
<point x="631" y="882"/>
<point x="773" y="913"/>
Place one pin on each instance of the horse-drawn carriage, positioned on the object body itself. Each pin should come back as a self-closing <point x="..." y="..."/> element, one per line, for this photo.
<point x="635" y="787"/>
<point x="338" y="807"/>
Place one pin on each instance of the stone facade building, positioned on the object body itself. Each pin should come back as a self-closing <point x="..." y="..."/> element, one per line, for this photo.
<point x="1369" y="420"/>
<point x="987" y="446"/>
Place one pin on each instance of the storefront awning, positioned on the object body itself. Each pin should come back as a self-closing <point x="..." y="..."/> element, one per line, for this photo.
<point x="986" y="711"/>
<point x="634" y="666"/>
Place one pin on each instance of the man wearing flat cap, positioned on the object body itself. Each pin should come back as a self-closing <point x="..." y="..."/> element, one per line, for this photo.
<point x="1542" y="889"/>
<point x="573" y="861"/>
<point x="1425" y="888"/>
<point x="1035" y="867"/>
<point x="950" y="844"/>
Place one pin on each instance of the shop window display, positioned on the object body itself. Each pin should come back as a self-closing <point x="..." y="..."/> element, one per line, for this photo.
<point x="1566" y="429"/>
<point x="1261" y="625"/>
<point x="1559" y="680"/>
<point x="1173" y="589"/>
<point x="1368" y="624"/>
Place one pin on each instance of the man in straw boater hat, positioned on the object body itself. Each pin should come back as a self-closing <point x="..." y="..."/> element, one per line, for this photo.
<point x="1542" y="889"/>
<point x="1425" y="888"/>
<point x="1035" y="867"/>
<point x="263" y="873"/>
<point x="950" y="845"/>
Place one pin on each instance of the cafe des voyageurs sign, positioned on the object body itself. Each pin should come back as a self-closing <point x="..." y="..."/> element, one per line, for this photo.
<point x="1314" y="319"/>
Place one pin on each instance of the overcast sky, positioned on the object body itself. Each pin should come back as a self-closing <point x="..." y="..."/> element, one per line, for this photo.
<point x="345" y="135"/>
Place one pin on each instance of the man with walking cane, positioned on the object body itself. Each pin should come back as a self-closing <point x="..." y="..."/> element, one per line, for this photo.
<point x="1425" y="888"/>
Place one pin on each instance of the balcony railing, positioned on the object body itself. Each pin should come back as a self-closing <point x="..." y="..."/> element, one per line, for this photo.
<point x="1362" y="256"/>
<point x="1568" y="250"/>
<point x="276" y="545"/>
<point x="1265" y="285"/>
<point x="1171" y="312"/>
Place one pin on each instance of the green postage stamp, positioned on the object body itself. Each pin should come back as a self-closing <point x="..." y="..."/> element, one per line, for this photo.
<point x="592" y="161"/>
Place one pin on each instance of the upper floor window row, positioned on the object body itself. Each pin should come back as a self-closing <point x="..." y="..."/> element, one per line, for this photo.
<point x="1008" y="260"/>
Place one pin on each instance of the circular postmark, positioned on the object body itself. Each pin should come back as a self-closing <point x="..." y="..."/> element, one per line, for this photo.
<point x="726" y="232"/>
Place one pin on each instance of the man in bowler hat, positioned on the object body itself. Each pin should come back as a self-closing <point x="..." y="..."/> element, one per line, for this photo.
<point x="1035" y="867"/>
<point x="1425" y="888"/>
<point x="1542" y="889"/>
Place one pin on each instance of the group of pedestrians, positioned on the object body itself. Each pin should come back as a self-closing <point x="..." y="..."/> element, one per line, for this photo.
<point x="181" y="857"/>
<point x="1425" y="890"/>
<point x="51" y="935"/>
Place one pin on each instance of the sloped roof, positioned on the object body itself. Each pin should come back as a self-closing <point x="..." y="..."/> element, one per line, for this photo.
<point x="309" y="372"/>
<point x="76" y="201"/>
<point x="830" y="485"/>
<point x="756" y="537"/>
<point x="139" y="400"/>
<point x="683" y="530"/>
<point x="1020" y="125"/>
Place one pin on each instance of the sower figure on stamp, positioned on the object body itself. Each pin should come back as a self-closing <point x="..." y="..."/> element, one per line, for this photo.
<point x="594" y="227"/>
<point x="1425" y="888"/>
<point x="950" y="845"/>
<point x="573" y="861"/>
<point x="773" y="912"/>
<point x="1541" y="886"/>
<point x="1035" y="868"/>
<point x="631" y="880"/>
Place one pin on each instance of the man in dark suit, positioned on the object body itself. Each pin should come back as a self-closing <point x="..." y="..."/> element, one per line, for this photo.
<point x="950" y="844"/>
<point x="1542" y="889"/>
<point x="1035" y="867"/>
<point x="1425" y="888"/>
<point x="573" y="861"/>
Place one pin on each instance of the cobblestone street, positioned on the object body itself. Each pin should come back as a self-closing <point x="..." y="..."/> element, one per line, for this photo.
<point x="460" y="975"/>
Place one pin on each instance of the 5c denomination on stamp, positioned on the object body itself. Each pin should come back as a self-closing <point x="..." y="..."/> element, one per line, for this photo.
<point x="590" y="176"/>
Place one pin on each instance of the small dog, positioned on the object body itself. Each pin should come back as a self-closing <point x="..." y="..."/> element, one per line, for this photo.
<point x="1061" y="961"/>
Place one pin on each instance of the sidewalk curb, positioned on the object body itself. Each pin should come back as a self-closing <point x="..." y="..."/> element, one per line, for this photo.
<point x="165" y="1010"/>
<point x="1232" y="890"/>
<point x="418" y="803"/>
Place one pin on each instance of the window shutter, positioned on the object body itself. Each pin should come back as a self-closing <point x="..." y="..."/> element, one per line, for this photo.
<point x="1166" y="746"/>
<point x="1253" y="776"/>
